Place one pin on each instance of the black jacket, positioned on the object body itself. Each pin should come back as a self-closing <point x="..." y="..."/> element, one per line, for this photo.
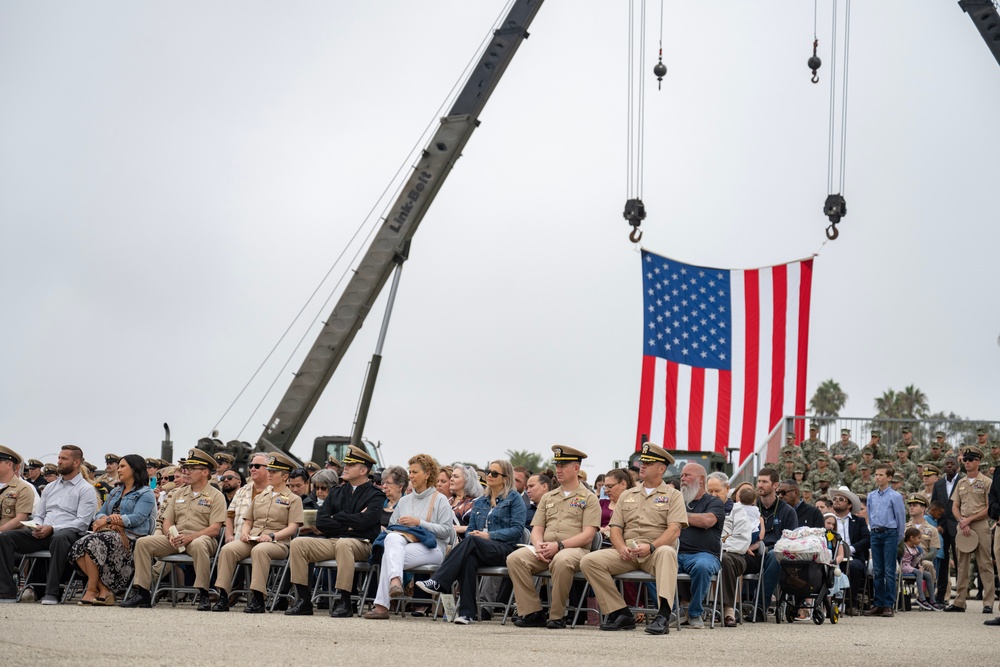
<point x="994" y="498"/>
<point x="781" y="516"/>
<point x="808" y="515"/>
<point x="860" y="536"/>
<point x="347" y="514"/>
<point x="940" y="493"/>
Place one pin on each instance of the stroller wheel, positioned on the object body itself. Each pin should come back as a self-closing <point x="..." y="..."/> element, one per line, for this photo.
<point x="818" y="615"/>
<point x="791" y="611"/>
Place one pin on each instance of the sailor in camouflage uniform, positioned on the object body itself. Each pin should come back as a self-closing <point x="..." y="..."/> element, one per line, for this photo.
<point x="850" y="472"/>
<point x="823" y="472"/>
<point x="915" y="448"/>
<point x="789" y="451"/>
<point x="812" y="446"/>
<point x="903" y="465"/>
<point x="864" y="484"/>
<point x="845" y="449"/>
<point x="876" y="447"/>
<point x="936" y="454"/>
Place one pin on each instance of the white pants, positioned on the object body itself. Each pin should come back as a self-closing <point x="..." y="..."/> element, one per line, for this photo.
<point x="398" y="556"/>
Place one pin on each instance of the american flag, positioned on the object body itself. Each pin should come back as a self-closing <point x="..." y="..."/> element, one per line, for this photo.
<point x="724" y="353"/>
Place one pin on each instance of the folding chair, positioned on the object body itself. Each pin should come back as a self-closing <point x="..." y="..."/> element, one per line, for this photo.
<point x="171" y="562"/>
<point x="577" y="576"/>
<point x="324" y="570"/>
<point x="27" y="567"/>
<point x="757" y="594"/>
<point x="483" y="573"/>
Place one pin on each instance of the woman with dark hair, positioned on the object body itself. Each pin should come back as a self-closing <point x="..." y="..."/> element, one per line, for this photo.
<point x="495" y="528"/>
<point x="615" y="482"/>
<point x="129" y="513"/>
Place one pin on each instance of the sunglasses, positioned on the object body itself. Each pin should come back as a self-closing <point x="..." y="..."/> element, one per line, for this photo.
<point x="322" y="487"/>
<point x="494" y="473"/>
<point x="168" y="479"/>
<point x="781" y="493"/>
<point x="255" y="466"/>
<point x="229" y="477"/>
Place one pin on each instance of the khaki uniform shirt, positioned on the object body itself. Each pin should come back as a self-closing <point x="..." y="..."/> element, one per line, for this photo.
<point x="930" y="540"/>
<point x="644" y="518"/>
<point x="16" y="498"/>
<point x="193" y="511"/>
<point x="272" y="511"/>
<point x="563" y="516"/>
<point x="971" y="494"/>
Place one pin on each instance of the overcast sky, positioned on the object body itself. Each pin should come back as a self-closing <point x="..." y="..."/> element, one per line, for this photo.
<point x="176" y="178"/>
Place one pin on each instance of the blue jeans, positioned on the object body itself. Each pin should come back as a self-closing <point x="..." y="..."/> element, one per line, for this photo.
<point x="884" y="545"/>
<point x="700" y="567"/>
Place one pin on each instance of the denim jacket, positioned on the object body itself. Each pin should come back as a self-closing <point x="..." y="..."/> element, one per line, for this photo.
<point x="504" y="523"/>
<point x="138" y="510"/>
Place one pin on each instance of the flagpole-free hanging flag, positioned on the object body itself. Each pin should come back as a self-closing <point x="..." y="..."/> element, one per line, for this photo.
<point x="724" y="351"/>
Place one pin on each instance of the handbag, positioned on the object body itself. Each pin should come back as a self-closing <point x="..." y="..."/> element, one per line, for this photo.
<point x="126" y="545"/>
<point x="409" y="536"/>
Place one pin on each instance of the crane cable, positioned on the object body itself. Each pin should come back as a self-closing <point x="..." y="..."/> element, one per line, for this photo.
<point x="368" y="220"/>
<point x="835" y="206"/>
<point x="635" y="210"/>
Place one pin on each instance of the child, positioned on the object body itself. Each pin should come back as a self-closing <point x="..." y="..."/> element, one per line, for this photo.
<point x="840" y="554"/>
<point x="913" y="554"/>
<point x="745" y="495"/>
<point x="933" y="517"/>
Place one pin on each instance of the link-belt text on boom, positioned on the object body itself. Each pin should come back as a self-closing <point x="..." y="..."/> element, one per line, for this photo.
<point x="423" y="178"/>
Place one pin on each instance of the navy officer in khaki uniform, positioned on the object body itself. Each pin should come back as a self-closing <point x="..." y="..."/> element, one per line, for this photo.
<point x="198" y="511"/>
<point x="562" y="532"/>
<point x="970" y="510"/>
<point x="17" y="498"/>
<point x="269" y="524"/>
<point x="645" y="527"/>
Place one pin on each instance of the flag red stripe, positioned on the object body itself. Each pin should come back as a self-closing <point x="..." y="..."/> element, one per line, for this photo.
<point x="722" y="415"/>
<point x="805" y="292"/>
<point x="751" y="291"/>
<point x="670" y="423"/>
<point x="779" y="279"/>
<point x="697" y="408"/>
<point x="645" y="399"/>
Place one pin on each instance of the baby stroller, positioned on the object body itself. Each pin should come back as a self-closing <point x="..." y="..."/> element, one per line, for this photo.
<point x="805" y="576"/>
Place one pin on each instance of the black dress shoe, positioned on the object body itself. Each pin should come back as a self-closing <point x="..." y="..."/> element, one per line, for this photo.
<point x="204" y="601"/>
<point x="992" y="621"/>
<point x="256" y="603"/>
<point x="139" y="599"/>
<point x="952" y="607"/>
<point x="343" y="609"/>
<point x="222" y="604"/>
<point x="302" y="607"/>
<point x="659" y="626"/>
<point x="987" y="609"/>
<point x="624" y="621"/>
<point x="557" y="624"/>
<point x="535" y="619"/>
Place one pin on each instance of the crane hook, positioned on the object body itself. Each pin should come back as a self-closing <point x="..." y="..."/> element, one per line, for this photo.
<point x="635" y="235"/>
<point x="635" y="213"/>
<point x="814" y="62"/>
<point x="832" y="232"/>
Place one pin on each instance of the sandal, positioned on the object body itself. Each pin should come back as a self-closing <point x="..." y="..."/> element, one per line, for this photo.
<point x="106" y="601"/>
<point x="396" y="591"/>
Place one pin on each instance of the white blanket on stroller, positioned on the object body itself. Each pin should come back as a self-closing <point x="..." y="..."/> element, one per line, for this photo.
<point x="803" y="544"/>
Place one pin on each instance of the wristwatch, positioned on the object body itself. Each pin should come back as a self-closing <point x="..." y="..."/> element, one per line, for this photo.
<point x="560" y="546"/>
<point x="652" y="548"/>
<point x="271" y="535"/>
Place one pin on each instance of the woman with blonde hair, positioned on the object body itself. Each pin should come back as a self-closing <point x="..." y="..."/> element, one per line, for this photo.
<point x="495" y="527"/>
<point x="419" y="531"/>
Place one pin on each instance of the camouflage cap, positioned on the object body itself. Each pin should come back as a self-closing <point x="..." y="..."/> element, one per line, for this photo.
<point x="814" y="426"/>
<point x="876" y="433"/>
<point x="981" y="430"/>
<point x="906" y="429"/>
<point x="865" y="465"/>
<point x="806" y="486"/>
<point x="845" y="431"/>
<point x="898" y="478"/>
<point x="939" y="434"/>
<point x="790" y="437"/>
<point x="902" y="448"/>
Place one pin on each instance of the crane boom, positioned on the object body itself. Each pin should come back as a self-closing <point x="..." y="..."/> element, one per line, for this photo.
<point x="409" y="208"/>
<point x="984" y="15"/>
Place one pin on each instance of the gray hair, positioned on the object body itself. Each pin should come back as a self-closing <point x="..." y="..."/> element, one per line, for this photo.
<point x="325" y="476"/>
<point x="396" y="475"/>
<point x="719" y="476"/>
<point x="472" y="487"/>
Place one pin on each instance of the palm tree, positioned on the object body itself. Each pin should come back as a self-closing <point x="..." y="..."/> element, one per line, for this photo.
<point x="913" y="403"/>
<point x="887" y="405"/>
<point x="530" y="460"/>
<point x="828" y="400"/>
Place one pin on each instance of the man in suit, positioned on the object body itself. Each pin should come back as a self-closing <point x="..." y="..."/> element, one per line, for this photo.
<point x="807" y="514"/>
<point x="853" y="530"/>
<point x="994" y="513"/>
<point x="943" y="492"/>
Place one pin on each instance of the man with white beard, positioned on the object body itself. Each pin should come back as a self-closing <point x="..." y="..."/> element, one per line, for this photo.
<point x="701" y="541"/>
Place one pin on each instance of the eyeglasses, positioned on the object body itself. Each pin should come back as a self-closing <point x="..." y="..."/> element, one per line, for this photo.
<point x="255" y="466"/>
<point x="494" y="473"/>
<point x="228" y="477"/>
<point x="781" y="493"/>
<point x="168" y="479"/>
<point x="322" y="487"/>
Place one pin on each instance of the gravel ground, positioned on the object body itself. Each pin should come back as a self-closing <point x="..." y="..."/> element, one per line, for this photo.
<point x="70" y="635"/>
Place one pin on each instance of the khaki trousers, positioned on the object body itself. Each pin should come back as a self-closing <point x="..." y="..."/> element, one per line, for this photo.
<point x="261" y="554"/>
<point x="984" y="559"/>
<point x="345" y="550"/>
<point x="601" y="566"/>
<point x="147" y="548"/>
<point x="522" y="565"/>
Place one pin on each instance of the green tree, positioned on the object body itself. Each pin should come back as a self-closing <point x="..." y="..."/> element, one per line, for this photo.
<point x="530" y="460"/>
<point x="828" y="401"/>
<point x="913" y="403"/>
<point x="887" y="405"/>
